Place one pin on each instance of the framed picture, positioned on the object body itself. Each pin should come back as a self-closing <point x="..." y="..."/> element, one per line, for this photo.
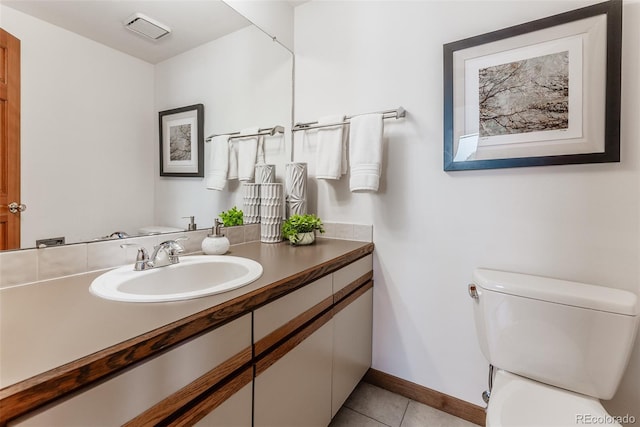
<point x="546" y="92"/>
<point x="182" y="141"/>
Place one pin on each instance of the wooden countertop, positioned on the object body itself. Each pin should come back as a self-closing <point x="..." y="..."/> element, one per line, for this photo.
<point x="56" y="337"/>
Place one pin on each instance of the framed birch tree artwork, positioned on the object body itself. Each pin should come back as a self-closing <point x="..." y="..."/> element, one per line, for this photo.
<point x="546" y="92"/>
<point x="182" y="141"/>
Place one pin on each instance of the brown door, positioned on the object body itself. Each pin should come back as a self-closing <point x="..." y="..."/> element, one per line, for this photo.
<point x="9" y="141"/>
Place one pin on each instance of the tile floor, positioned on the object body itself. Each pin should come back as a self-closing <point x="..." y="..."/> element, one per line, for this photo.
<point x="371" y="406"/>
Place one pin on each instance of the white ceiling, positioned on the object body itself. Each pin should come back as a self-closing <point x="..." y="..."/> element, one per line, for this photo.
<point x="192" y="22"/>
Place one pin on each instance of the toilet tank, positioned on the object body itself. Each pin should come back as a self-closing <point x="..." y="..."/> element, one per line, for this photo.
<point x="567" y="334"/>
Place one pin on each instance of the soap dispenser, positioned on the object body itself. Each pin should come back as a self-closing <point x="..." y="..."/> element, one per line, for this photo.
<point x="215" y="243"/>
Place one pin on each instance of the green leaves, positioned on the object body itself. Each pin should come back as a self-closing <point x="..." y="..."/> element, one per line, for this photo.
<point x="232" y="217"/>
<point x="300" y="224"/>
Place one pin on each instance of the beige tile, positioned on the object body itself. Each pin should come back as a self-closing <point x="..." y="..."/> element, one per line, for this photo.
<point x="105" y="254"/>
<point x="234" y="234"/>
<point x="363" y="233"/>
<point x="62" y="261"/>
<point x="18" y="267"/>
<point x="329" y="230"/>
<point x="419" y="415"/>
<point x="377" y="403"/>
<point x="344" y="231"/>
<point x="349" y="418"/>
<point x="252" y="232"/>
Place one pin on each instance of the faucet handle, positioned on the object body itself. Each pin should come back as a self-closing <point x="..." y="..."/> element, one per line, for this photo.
<point x="142" y="258"/>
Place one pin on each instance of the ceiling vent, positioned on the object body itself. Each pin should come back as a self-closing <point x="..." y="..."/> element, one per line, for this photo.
<point x="148" y="27"/>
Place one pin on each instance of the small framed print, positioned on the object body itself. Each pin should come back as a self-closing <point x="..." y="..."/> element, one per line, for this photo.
<point x="546" y="92"/>
<point x="182" y="141"/>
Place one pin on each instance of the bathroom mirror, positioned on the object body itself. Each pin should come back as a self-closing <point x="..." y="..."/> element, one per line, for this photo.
<point x="89" y="112"/>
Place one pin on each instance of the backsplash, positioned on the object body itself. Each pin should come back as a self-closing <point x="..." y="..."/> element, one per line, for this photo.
<point x="32" y="265"/>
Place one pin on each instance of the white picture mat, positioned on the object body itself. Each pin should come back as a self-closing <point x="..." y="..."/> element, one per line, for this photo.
<point x="180" y="166"/>
<point x="592" y="35"/>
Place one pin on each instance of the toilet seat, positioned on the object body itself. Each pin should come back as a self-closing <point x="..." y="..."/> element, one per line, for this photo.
<point x="519" y="401"/>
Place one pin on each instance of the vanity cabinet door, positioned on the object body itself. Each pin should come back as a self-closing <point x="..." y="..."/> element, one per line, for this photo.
<point x="352" y="332"/>
<point x="295" y="390"/>
<point x="233" y="412"/>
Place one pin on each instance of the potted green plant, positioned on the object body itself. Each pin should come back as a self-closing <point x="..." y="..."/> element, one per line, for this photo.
<point x="232" y="217"/>
<point x="300" y="229"/>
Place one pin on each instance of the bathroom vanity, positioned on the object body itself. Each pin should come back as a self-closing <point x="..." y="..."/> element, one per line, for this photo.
<point x="286" y="349"/>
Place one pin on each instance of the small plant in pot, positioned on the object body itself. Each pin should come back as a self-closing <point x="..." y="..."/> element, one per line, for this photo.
<point x="300" y="229"/>
<point x="232" y="217"/>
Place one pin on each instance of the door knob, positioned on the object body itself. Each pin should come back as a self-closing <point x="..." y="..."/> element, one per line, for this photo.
<point x="15" y="207"/>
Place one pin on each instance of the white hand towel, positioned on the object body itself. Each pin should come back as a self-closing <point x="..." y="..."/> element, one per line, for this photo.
<point x="233" y="159"/>
<point x="260" y="158"/>
<point x="331" y="146"/>
<point x="247" y="151"/>
<point x="218" y="164"/>
<point x="365" y="152"/>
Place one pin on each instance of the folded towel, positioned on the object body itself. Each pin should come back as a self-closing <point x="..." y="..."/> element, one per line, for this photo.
<point x="365" y="152"/>
<point x="218" y="164"/>
<point x="247" y="151"/>
<point x="331" y="149"/>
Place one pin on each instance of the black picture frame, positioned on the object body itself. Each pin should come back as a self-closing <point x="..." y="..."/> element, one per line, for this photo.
<point x="607" y="137"/>
<point x="182" y="152"/>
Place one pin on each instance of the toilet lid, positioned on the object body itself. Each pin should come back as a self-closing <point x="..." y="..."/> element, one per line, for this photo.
<point x="519" y="401"/>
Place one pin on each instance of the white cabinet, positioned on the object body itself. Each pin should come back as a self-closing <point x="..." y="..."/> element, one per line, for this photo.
<point x="352" y="328"/>
<point x="295" y="390"/>
<point x="313" y="376"/>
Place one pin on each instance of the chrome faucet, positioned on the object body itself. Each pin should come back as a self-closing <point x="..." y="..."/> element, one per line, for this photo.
<point x="166" y="253"/>
<point x="171" y="249"/>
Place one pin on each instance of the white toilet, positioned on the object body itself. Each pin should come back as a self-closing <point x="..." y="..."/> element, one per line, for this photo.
<point x="557" y="347"/>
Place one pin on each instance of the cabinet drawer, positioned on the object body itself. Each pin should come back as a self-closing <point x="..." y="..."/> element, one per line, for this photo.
<point x="276" y="314"/>
<point x="117" y="400"/>
<point x="351" y="272"/>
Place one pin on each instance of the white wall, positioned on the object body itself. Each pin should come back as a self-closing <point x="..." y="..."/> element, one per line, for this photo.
<point x="87" y="134"/>
<point x="243" y="80"/>
<point x="273" y="16"/>
<point x="432" y="228"/>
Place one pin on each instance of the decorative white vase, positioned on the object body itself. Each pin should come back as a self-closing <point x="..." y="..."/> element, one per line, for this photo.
<point x="296" y="183"/>
<point x="251" y="203"/>
<point x="271" y="199"/>
<point x="265" y="174"/>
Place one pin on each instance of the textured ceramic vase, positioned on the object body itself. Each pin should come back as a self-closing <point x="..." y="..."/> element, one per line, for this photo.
<point x="265" y="174"/>
<point x="296" y="183"/>
<point x="271" y="200"/>
<point x="251" y="203"/>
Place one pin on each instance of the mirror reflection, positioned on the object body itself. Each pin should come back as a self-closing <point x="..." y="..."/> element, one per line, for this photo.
<point x="89" y="112"/>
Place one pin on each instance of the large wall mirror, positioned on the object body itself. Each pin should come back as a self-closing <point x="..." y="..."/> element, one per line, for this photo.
<point x="91" y="94"/>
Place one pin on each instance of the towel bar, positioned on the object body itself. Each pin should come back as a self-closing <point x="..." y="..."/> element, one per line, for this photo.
<point x="388" y="114"/>
<point x="236" y="135"/>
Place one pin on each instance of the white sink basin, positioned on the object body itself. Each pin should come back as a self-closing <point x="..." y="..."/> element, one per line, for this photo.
<point x="192" y="277"/>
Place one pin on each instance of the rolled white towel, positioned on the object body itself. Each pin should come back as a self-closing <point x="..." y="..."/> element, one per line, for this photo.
<point x="218" y="164"/>
<point x="331" y="153"/>
<point x="365" y="152"/>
